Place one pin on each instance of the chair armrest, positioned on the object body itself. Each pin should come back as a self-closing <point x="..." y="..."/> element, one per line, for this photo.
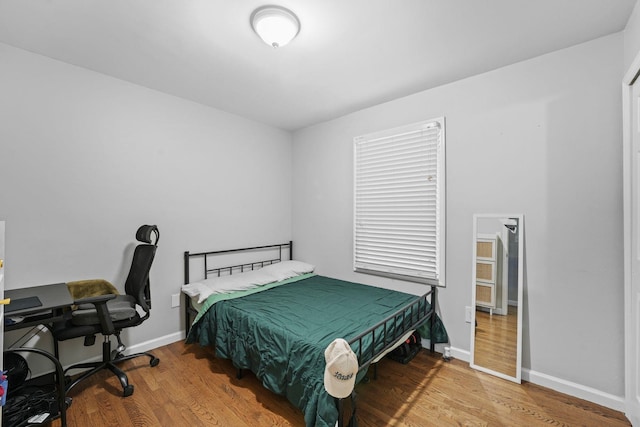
<point x="100" y="299"/>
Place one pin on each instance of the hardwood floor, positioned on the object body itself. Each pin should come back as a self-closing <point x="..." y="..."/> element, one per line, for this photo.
<point x="496" y="341"/>
<point x="192" y="388"/>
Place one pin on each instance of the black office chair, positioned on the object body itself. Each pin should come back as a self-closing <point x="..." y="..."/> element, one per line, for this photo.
<point x="110" y="314"/>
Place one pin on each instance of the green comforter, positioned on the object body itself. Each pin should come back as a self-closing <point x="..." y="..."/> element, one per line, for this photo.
<point x="280" y="334"/>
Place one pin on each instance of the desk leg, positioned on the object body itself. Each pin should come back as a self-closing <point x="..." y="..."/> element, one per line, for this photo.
<point x="59" y="378"/>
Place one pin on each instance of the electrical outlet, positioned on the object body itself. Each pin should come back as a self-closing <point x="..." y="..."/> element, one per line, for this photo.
<point x="468" y="314"/>
<point x="175" y="300"/>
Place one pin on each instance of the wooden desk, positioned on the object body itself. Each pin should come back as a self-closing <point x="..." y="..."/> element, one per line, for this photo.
<point x="54" y="298"/>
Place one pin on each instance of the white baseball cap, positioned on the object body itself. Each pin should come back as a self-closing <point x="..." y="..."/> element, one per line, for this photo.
<point x="341" y="369"/>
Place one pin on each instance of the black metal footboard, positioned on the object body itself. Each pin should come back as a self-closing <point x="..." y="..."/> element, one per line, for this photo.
<point x="384" y="335"/>
<point x="380" y="338"/>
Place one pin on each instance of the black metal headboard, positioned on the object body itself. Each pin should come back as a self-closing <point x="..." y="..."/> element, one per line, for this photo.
<point x="281" y="247"/>
<point x="275" y="251"/>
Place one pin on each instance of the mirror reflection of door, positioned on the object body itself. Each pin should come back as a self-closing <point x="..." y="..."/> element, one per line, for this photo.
<point x="497" y="295"/>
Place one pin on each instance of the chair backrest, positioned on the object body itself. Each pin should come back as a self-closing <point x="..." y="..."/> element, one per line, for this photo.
<point x="137" y="284"/>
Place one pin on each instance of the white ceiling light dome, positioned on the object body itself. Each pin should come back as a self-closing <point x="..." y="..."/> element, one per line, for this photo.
<point x="275" y="25"/>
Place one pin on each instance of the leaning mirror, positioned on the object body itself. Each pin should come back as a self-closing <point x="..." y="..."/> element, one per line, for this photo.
<point x="496" y="327"/>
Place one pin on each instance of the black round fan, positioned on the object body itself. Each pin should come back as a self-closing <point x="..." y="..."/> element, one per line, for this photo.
<point x="16" y="368"/>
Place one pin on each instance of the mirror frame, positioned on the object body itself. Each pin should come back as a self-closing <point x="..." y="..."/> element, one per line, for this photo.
<point x="518" y="377"/>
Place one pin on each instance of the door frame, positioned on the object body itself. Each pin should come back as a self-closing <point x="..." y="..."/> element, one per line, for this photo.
<point x="630" y="77"/>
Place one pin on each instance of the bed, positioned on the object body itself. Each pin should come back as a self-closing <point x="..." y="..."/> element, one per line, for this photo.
<point x="274" y="316"/>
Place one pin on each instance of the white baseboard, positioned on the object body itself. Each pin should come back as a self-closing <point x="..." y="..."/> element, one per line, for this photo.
<point x="438" y="348"/>
<point x="141" y="347"/>
<point x="459" y="354"/>
<point x="156" y="342"/>
<point x="563" y="386"/>
<point x="40" y="366"/>
<point x="574" y="389"/>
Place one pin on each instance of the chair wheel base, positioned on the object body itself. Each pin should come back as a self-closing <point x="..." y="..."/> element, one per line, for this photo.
<point x="127" y="391"/>
<point x="154" y="362"/>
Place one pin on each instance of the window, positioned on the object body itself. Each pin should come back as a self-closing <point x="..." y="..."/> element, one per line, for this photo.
<point x="399" y="203"/>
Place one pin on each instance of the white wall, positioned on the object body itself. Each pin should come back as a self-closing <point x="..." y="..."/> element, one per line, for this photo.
<point x="632" y="37"/>
<point x="542" y="138"/>
<point x="631" y="52"/>
<point x="85" y="159"/>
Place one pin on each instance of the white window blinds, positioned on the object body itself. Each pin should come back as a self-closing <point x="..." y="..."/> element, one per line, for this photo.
<point x="399" y="203"/>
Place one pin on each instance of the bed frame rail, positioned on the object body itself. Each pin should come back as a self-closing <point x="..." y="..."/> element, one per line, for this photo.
<point x="240" y="268"/>
<point x="385" y="334"/>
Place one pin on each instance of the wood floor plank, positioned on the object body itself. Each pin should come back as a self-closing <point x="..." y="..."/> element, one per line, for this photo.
<point x="190" y="387"/>
<point x="496" y="338"/>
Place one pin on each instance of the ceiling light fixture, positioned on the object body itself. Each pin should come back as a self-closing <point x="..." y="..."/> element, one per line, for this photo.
<point x="275" y="25"/>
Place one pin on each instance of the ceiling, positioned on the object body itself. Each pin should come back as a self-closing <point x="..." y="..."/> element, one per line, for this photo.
<point x="349" y="54"/>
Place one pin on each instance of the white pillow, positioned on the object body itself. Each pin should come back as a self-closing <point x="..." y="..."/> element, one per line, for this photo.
<point x="193" y="289"/>
<point x="247" y="280"/>
<point x="287" y="269"/>
<point x="224" y="284"/>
